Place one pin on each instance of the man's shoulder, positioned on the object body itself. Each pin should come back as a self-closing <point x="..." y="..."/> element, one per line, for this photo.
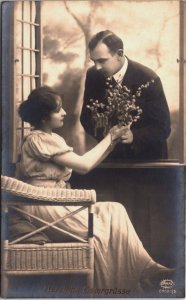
<point x="141" y="70"/>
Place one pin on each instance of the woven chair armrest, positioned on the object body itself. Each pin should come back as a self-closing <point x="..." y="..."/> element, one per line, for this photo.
<point x="23" y="246"/>
<point x="19" y="188"/>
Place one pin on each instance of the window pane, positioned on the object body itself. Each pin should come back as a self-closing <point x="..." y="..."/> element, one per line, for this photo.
<point x="26" y="14"/>
<point x="26" y="90"/>
<point x="33" y="11"/>
<point x="26" y="61"/>
<point x="26" y="35"/>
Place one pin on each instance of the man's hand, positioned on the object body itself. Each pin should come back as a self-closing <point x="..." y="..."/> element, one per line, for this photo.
<point x="127" y="137"/>
<point x="116" y="132"/>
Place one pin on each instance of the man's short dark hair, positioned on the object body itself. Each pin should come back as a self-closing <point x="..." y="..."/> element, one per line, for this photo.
<point x="110" y="39"/>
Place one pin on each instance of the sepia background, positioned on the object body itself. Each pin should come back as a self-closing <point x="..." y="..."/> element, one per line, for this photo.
<point x="152" y="196"/>
<point x="150" y="31"/>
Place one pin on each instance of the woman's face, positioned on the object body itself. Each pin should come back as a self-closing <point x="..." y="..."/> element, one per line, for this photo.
<point x="56" y="119"/>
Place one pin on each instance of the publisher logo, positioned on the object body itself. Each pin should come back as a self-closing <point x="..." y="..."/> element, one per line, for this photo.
<point x="167" y="287"/>
<point x="167" y="284"/>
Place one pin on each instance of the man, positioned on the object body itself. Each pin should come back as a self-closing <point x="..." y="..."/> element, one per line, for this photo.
<point x="146" y="138"/>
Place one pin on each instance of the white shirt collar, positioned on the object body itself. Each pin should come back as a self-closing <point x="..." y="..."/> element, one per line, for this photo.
<point x="121" y="73"/>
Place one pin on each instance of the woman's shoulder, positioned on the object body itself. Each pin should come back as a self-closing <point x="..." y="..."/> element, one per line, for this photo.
<point x="34" y="134"/>
<point x="40" y="142"/>
<point x="57" y="137"/>
<point x="38" y="136"/>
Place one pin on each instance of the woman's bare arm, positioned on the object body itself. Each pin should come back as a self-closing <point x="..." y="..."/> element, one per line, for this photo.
<point x="86" y="162"/>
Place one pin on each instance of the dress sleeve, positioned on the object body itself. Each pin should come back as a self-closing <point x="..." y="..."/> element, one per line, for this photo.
<point x="44" y="146"/>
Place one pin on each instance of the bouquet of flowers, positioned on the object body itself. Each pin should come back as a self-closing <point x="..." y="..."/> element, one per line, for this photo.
<point x="119" y="108"/>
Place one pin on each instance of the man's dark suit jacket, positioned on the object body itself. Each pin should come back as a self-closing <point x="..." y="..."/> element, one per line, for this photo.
<point x="153" y="128"/>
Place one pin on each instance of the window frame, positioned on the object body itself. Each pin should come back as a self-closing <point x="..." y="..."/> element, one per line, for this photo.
<point x="37" y="74"/>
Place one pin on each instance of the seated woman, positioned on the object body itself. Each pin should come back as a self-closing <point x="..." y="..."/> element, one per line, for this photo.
<point x="46" y="160"/>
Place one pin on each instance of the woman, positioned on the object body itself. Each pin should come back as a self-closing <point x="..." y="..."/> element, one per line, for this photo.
<point x="46" y="160"/>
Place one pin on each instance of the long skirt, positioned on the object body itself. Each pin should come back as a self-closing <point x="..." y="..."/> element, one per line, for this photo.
<point x="120" y="257"/>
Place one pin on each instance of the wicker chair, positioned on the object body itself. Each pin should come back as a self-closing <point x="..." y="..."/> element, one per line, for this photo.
<point x="19" y="258"/>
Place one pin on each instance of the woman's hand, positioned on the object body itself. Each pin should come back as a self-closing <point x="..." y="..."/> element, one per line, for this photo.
<point x="117" y="132"/>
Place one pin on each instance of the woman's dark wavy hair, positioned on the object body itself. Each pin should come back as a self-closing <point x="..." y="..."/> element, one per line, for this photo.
<point x="110" y="39"/>
<point x="39" y="105"/>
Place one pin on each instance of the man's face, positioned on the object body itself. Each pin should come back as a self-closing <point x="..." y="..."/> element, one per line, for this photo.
<point x="105" y="61"/>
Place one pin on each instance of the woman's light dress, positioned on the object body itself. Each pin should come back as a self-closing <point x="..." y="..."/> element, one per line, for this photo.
<point x="120" y="257"/>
